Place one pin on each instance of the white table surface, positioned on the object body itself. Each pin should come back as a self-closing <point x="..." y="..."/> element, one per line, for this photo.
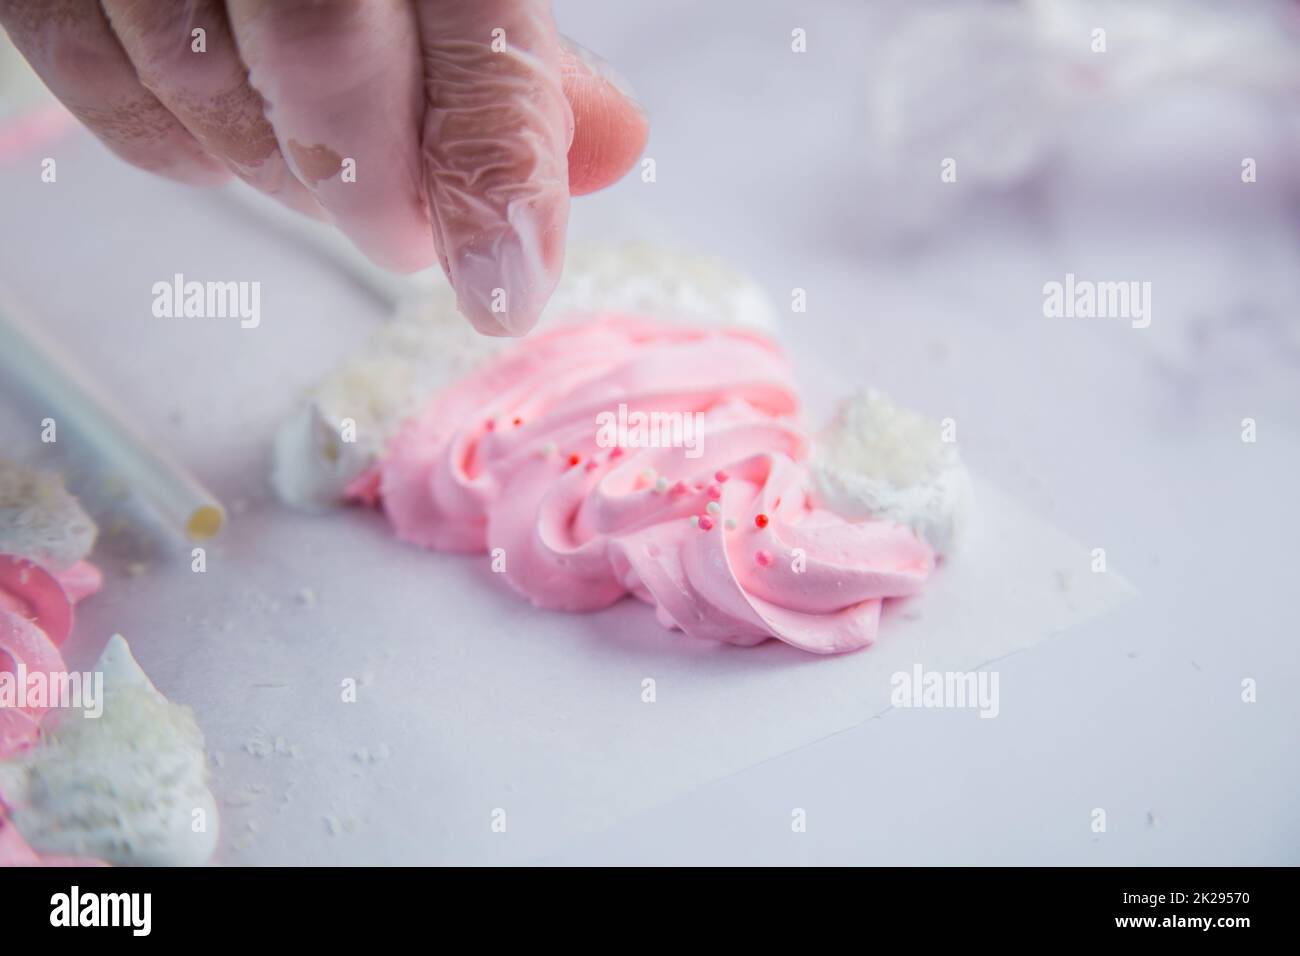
<point x="1126" y="439"/>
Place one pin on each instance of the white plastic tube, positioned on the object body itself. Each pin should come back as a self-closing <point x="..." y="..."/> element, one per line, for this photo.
<point x="36" y="365"/>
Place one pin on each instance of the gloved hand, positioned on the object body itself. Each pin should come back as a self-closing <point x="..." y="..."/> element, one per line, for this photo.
<point x="468" y="123"/>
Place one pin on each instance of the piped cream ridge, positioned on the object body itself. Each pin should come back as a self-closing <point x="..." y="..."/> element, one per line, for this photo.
<point x="727" y="546"/>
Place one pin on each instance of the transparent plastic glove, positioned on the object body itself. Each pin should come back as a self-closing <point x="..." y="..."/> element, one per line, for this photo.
<point x="426" y="130"/>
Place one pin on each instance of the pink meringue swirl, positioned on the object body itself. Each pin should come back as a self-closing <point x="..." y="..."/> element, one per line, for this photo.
<point x="35" y="619"/>
<point x="511" y="458"/>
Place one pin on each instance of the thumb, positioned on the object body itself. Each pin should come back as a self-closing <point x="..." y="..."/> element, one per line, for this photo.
<point x="609" y="125"/>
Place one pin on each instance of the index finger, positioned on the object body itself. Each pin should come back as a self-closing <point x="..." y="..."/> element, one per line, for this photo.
<point x="495" y="143"/>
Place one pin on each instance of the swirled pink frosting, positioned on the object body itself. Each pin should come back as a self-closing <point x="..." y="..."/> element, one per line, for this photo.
<point x="35" y="618"/>
<point x="511" y="458"/>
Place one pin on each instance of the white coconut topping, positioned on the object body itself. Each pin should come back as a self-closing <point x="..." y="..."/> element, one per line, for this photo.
<point x="346" y="421"/>
<point x="643" y="279"/>
<point x="40" y="520"/>
<point x="349" y="418"/>
<point x="128" y="787"/>
<point x="880" y="461"/>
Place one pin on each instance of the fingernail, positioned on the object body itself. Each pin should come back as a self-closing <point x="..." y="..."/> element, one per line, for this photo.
<point x="503" y="287"/>
<point x="604" y="69"/>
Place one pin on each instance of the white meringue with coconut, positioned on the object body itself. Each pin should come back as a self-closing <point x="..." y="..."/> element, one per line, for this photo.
<point x="876" y="460"/>
<point x="346" y="421"/>
<point x="40" y="520"/>
<point x="129" y="787"/>
<point x="649" y="280"/>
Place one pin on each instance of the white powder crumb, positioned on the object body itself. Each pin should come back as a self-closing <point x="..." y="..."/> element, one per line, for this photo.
<point x="218" y="759"/>
<point x="334" y="825"/>
<point x="368" y="756"/>
<point x="1152" y="820"/>
<point x="1064" y="580"/>
<point x="247" y="795"/>
<point x="136" y="568"/>
<point x="259" y="745"/>
<point x="262" y="744"/>
<point x="307" y="597"/>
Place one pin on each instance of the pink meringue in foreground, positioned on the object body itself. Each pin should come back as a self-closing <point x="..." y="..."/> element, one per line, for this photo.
<point x="721" y="537"/>
<point x="35" y="618"/>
